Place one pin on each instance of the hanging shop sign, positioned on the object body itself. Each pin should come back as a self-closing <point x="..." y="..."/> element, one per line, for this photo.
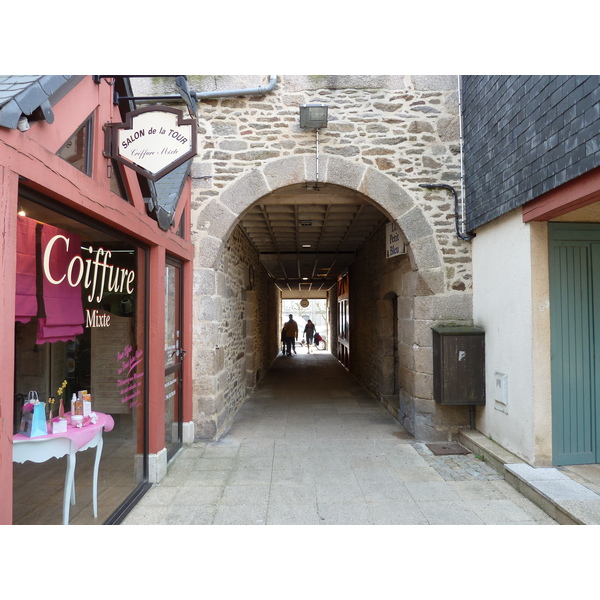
<point x="394" y="244"/>
<point x="152" y="141"/>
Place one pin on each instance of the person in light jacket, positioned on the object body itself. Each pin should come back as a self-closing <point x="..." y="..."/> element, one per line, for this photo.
<point x="291" y="335"/>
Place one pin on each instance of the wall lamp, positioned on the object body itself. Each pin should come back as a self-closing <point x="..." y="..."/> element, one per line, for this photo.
<point x="313" y="116"/>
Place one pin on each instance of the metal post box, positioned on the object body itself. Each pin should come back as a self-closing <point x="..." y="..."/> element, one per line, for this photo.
<point x="459" y="365"/>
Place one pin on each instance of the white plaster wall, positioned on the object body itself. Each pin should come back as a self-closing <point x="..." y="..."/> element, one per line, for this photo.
<point x="502" y="305"/>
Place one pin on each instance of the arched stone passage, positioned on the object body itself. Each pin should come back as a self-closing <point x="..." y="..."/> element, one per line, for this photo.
<point x="216" y="220"/>
<point x="426" y="297"/>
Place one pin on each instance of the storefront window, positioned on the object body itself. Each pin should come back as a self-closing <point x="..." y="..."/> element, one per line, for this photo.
<point x="117" y="185"/>
<point x="79" y="328"/>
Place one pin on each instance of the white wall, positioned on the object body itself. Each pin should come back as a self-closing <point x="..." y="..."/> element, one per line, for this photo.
<point x="503" y="304"/>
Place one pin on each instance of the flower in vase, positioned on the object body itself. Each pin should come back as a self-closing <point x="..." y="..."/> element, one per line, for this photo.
<point x="61" y="389"/>
<point x="51" y="402"/>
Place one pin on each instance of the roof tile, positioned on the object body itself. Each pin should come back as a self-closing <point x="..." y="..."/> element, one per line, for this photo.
<point x="23" y="94"/>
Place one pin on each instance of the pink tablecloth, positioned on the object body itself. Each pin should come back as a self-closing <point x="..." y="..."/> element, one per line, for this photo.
<point x="79" y="435"/>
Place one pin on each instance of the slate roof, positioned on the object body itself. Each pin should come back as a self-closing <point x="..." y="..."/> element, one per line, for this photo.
<point x="525" y="135"/>
<point x="23" y="94"/>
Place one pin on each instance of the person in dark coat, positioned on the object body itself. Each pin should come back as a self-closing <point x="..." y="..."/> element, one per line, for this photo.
<point x="309" y="333"/>
<point x="290" y="330"/>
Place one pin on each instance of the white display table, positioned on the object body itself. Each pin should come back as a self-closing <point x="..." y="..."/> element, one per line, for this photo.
<point x="41" y="449"/>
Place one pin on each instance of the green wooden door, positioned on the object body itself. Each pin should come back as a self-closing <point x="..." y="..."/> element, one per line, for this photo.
<point x="575" y="342"/>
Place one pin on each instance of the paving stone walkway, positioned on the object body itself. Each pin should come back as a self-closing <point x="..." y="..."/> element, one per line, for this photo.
<point x="312" y="447"/>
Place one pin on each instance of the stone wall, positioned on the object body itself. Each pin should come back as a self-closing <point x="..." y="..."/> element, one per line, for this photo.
<point x="391" y="343"/>
<point x="238" y="321"/>
<point x="403" y="126"/>
<point x="386" y="135"/>
<point x="408" y="130"/>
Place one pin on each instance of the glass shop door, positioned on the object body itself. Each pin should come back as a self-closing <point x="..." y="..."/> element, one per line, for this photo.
<point x="174" y="354"/>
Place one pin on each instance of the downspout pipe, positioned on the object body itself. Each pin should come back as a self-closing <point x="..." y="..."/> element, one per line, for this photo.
<point x="261" y="90"/>
<point x="190" y="97"/>
<point x="443" y="186"/>
<point x="461" y="142"/>
<point x="459" y="228"/>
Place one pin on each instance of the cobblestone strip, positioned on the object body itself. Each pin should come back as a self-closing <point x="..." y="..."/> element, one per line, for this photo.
<point x="457" y="467"/>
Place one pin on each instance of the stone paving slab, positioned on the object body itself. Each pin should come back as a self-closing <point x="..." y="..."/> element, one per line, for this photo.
<point x="314" y="459"/>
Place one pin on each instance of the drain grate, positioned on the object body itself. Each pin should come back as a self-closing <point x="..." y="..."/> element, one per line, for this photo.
<point x="447" y="448"/>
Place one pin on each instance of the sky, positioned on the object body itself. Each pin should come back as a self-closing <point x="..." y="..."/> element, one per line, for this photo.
<point x="331" y="37"/>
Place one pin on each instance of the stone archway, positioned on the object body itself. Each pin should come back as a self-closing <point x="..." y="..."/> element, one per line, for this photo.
<point x="217" y="219"/>
<point x="430" y="299"/>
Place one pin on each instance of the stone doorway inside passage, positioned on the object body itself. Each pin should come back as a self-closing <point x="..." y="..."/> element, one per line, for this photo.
<point x="307" y="237"/>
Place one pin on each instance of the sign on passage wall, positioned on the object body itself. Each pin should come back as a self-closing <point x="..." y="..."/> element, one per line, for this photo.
<point x="394" y="244"/>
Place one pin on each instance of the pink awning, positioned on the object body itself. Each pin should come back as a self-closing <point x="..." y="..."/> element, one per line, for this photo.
<point x="26" y="305"/>
<point x="63" y="306"/>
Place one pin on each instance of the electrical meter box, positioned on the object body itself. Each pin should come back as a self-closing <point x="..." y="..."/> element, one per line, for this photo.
<point x="458" y="365"/>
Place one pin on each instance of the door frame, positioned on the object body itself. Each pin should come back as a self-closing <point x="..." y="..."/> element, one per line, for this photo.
<point x="177" y="368"/>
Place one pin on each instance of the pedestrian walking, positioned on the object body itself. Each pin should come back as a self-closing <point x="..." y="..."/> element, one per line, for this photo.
<point x="290" y="330"/>
<point x="283" y="341"/>
<point x="309" y="333"/>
